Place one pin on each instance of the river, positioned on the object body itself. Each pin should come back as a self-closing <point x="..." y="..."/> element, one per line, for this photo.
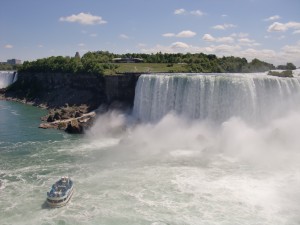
<point x="174" y="171"/>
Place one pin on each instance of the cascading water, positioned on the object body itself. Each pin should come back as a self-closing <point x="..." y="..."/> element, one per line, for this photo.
<point x="216" y="97"/>
<point x="172" y="171"/>
<point x="7" y="78"/>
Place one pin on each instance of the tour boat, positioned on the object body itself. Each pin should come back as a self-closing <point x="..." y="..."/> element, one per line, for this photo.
<point x="60" y="193"/>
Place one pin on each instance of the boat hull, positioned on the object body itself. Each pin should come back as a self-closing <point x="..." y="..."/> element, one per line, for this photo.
<point x="61" y="201"/>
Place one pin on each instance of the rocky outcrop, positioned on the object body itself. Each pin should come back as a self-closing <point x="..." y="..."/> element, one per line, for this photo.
<point x="75" y="125"/>
<point x="65" y="112"/>
<point x="70" y="97"/>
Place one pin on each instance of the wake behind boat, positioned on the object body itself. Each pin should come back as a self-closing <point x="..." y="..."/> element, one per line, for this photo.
<point x="60" y="193"/>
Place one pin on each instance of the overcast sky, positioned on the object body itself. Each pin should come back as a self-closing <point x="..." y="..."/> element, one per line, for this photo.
<point x="265" y="29"/>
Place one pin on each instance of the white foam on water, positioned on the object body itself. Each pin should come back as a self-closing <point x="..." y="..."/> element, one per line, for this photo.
<point x="15" y="113"/>
<point x="2" y="184"/>
<point x="231" y="175"/>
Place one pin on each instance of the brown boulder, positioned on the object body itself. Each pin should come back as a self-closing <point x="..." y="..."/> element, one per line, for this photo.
<point x="50" y="119"/>
<point x="74" y="127"/>
<point x="47" y="125"/>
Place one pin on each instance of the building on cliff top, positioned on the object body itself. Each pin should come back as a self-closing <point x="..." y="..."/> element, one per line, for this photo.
<point x="14" y="62"/>
<point x="127" y="60"/>
<point x="77" y="55"/>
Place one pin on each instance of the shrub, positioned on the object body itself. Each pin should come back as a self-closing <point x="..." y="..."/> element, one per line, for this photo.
<point x="285" y="73"/>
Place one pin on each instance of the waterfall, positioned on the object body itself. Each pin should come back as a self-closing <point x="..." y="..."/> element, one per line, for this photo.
<point x="215" y="97"/>
<point x="7" y="78"/>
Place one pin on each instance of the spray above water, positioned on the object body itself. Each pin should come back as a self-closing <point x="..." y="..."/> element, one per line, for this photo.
<point x="248" y="116"/>
<point x="166" y="166"/>
<point x="195" y="172"/>
<point x="225" y="148"/>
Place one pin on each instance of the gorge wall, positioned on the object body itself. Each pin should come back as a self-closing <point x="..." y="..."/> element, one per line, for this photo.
<point x="56" y="90"/>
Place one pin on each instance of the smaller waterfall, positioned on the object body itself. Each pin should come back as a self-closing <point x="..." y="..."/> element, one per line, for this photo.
<point x="7" y="78"/>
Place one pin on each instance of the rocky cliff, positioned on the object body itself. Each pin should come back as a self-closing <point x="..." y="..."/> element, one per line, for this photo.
<point x="56" y="90"/>
<point x="71" y="97"/>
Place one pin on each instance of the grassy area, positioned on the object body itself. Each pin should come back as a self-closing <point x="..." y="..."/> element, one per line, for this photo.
<point x="148" y="68"/>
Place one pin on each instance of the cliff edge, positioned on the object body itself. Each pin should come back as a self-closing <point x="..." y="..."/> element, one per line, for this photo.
<point x="69" y="96"/>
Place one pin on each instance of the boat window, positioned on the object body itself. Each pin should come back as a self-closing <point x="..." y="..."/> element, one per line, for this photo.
<point x="55" y="201"/>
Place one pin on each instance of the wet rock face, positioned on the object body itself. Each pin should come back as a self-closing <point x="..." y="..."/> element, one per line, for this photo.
<point x="50" y="119"/>
<point x="54" y="90"/>
<point x="74" y="127"/>
<point x="73" y="96"/>
<point x="56" y="116"/>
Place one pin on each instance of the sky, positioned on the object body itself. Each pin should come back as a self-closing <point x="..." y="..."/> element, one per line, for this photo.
<point x="265" y="29"/>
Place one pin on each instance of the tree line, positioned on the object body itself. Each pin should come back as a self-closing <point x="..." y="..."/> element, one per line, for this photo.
<point x="100" y="61"/>
<point x="6" y="66"/>
<point x="59" y="64"/>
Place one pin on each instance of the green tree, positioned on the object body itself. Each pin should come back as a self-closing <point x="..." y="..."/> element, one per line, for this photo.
<point x="290" y="66"/>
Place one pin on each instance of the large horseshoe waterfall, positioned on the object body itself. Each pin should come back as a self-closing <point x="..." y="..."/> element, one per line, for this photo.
<point x="7" y="78"/>
<point x="216" y="97"/>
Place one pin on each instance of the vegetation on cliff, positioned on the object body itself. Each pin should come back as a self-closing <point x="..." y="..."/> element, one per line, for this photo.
<point x="6" y="66"/>
<point x="288" y="66"/>
<point x="285" y="73"/>
<point x="87" y="64"/>
<point x="101" y="63"/>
